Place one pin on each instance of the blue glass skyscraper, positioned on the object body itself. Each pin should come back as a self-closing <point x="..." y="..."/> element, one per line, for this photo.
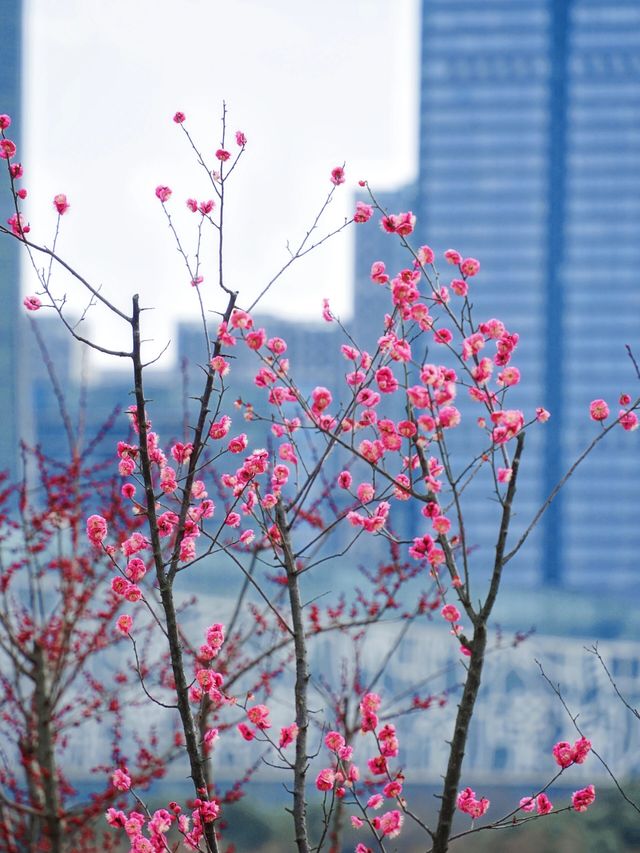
<point x="529" y="160"/>
<point x="10" y="363"/>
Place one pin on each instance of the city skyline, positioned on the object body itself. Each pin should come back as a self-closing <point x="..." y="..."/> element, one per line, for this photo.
<point x="528" y="196"/>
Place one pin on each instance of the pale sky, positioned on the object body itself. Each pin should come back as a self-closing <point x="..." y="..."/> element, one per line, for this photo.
<point x="311" y="84"/>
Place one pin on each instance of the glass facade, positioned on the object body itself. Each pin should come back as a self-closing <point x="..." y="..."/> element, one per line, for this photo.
<point x="11" y="365"/>
<point x="529" y="161"/>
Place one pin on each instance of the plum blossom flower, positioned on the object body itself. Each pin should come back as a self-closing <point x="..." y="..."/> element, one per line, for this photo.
<point x="124" y="624"/>
<point x="61" y="204"/>
<point x="582" y="799"/>
<point x="581" y="749"/>
<point x="246" y="731"/>
<point x="459" y="287"/>
<point x="543" y="804"/>
<point x="179" y="117"/>
<point x="378" y="273"/>
<point x="31" y="303"/>
<point x="542" y="415"/>
<point x="18" y="224"/>
<point x="96" y="529"/>
<point x="345" y="479"/>
<point x="238" y="444"/>
<point x="259" y="716"/>
<point x="598" y="410"/>
<point x="453" y="257"/>
<point x="401" y="223"/>
<point x="219" y="429"/>
<point x="450" y="612"/>
<point x="563" y="753"/>
<point x="222" y="155"/>
<point x="7" y="149"/>
<point x="390" y="823"/>
<point x="334" y="741"/>
<point x="337" y="176"/>
<point x="468" y="803"/>
<point x="470" y="267"/>
<point x="325" y="779"/>
<point x="363" y="213"/>
<point x="288" y="734"/>
<point x="628" y="420"/>
<point x="5" y="121"/>
<point x="163" y="193"/>
<point x="241" y="139"/>
<point x="121" y="780"/>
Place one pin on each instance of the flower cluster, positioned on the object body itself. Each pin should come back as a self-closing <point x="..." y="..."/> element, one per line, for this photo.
<point x="467" y="802"/>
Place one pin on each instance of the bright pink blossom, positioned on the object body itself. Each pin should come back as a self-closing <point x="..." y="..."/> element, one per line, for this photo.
<point x="582" y="799"/>
<point x="259" y="716"/>
<point x="375" y="801"/>
<point x="5" y="121"/>
<point x="222" y="155"/>
<point x="179" y="117"/>
<point x="363" y="213"/>
<point x="241" y="139"/>
<point x="321" y="399"/>
<point x="628" y="420"/>
<point x="390" y="823"/>
<point x="31" y="303"/>
<point x="61" y="204"/>
<point x="598" y="410"/>
<point x="345" y="479"/>
<point x="542" y="415"/>
<point x="378" y="273"/>
<point x="581" y="749"/>
<point x="334" y="741"/>
<point x="288" y="734"/>
<point x="238" y="444"/>
<point x="468" y="803"/>
<point x="96" y="529"/>
<point x="459" y="286"/>
<point x="163" y="193"/>
<point x="470" y="266"/>
<point x="337" y="176"/>
<point x="563" y="753"/>
<point x="124" y="623"/>
<point x="7" y="149"/>
<point x="219" y="429"/>
<point x="325" y="779"/>
<point x="18" y="224"/>
<point x="121" y="780"/>
<point x="543" y="804"/>
<point x="450" y="612"/>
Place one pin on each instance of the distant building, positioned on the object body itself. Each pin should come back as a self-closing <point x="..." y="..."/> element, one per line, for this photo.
<point x="12" y="404"/>
<point x="529" y="160"/>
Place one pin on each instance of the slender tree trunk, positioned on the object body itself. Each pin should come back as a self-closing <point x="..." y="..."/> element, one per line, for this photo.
<point x="301" y="687"/>
<point x="459" y="741"/>
<point x="46" y="752"/>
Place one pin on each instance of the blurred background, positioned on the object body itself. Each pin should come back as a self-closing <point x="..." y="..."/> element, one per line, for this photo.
<point x="511" y="128"/>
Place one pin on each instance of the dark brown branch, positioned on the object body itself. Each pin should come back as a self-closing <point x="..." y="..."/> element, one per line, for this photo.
<point x="301" y="687"/>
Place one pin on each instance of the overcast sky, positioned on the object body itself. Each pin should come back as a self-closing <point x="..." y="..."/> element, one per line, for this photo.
<point x="312" y="84"/>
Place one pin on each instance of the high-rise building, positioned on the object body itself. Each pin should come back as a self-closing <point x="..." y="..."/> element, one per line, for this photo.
<point x="11" y="365"/>
<point x="529" y="160"/>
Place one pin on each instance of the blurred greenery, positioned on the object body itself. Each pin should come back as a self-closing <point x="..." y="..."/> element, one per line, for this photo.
<point x="610" y="826"/>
